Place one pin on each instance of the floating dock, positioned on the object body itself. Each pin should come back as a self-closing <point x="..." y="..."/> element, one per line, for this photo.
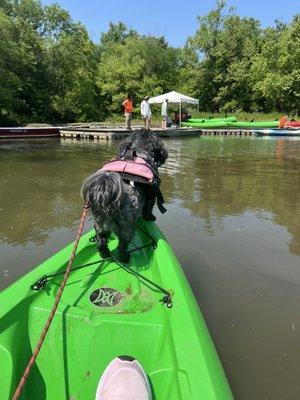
<point x="98" y="132"/>
<point x="109" y="133"/>
<point x="177" y="132"/>
<point x="94" y="133"/>
<point x="227" y="132"/>
<point x="106" y="133"/>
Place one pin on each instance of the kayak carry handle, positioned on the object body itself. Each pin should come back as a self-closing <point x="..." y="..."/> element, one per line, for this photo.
<point x="167" y="299"/>
<point x="40" y="284"/>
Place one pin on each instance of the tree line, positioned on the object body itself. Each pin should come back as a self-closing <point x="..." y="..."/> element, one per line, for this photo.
<point x="51" y="71"/>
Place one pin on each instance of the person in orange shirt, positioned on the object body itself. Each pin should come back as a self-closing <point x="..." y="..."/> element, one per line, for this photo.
<point x="128" y="108"/>
<point x="283" y="121"/>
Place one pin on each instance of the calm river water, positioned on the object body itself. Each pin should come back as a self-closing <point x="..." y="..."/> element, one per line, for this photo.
<point x="233" y="220"/>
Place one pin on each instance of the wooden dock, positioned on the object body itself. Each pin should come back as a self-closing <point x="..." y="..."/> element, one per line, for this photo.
<point x="227" y="132"/>
<point x="94" y="133"/>
<point x="97" y="132"/>
<point x="106" y="133"/>
<point x="177" y="132"/>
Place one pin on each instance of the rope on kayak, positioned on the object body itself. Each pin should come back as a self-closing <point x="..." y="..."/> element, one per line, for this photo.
<point x="41" y="283"/>
<point x="53" y="310"/>
<point x="168" y="294"/>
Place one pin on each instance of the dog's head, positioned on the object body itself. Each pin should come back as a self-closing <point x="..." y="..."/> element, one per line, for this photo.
<point x="145" y="143"/>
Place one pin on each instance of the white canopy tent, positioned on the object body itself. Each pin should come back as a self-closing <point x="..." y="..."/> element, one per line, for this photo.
<point x="174" y="98"/>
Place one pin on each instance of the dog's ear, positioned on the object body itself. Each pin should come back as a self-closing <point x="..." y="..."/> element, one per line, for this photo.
<point x="161" y="153"/>
<point x="124" y="147"/>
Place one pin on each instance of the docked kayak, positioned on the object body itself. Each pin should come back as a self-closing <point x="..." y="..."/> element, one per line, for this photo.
<point x="254" y="124"/>
<point x="292" y="124"/>
<point x="232" y="124"/>
<point x="109" y="309"/>
<point x="212" y="120"/>
<point x="276" y="132"/>
<point x="206" y="125"/>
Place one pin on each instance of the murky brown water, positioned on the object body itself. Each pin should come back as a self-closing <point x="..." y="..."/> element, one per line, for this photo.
<point x="233" y="220"/>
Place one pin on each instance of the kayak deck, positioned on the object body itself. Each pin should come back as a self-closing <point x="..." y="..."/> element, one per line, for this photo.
<point x="106" y="311"/>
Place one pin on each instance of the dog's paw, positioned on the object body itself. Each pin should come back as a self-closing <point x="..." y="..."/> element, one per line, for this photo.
<point x="105" y="253"/>
<point x="124" y="257"/>
<point x="150" y="217"/>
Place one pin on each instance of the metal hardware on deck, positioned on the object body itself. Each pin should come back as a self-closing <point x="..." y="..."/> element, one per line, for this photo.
<point x="167" y="299"/>
<point x="40" y="284"/>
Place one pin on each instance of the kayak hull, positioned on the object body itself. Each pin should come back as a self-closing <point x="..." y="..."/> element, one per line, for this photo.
<point x="292" y="124"/>
<point x="255" y="124"/>
<point x="89" y="330"/>
<point x="232" y="124"/>
<point x="206" y="125"/>
<point x="212" y="120"/>
<point x="276" y="132"/>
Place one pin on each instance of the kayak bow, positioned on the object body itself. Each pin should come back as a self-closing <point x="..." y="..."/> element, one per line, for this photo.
<point x="108" y="309"/>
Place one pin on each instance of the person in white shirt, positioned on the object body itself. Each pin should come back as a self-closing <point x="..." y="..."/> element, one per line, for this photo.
<point x="164" y="113"/>
<point x="146" y="111"/>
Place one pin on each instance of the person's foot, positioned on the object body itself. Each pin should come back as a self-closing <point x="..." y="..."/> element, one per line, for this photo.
<point x="124" y="379"/>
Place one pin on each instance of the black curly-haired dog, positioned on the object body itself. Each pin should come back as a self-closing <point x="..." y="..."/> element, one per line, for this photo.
<point x="115" y="202"/>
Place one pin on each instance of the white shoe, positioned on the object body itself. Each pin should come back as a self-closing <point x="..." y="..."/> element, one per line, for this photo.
<point x="124" y="379"/>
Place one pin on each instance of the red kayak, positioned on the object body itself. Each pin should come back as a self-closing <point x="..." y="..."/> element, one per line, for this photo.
<point x="28" y="132"/>
<point x="292" y="124"/>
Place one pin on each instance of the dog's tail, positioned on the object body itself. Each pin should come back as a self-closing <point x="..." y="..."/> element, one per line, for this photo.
<point x="102" y="191"/>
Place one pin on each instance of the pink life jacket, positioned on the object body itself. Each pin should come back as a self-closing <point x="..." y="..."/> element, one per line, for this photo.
<point x="137" y="170"/>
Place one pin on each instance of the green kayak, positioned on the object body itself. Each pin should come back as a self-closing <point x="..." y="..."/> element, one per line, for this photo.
<point x="254" y="124"/>
<point x="232" y="124"/>
<point x="212" y="120"/>
<point x="206" y="125"/>
<point x="108" y="309"/>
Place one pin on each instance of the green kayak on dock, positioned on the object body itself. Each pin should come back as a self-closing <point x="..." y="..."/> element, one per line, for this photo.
<point x="206" y="125"/>
<point x="211" y="120"/>
<point x="254" y="124"/>
<point x="230" y="124"/>
<point x="145" y="309"/>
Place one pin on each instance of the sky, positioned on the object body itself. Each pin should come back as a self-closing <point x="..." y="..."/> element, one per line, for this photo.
<point x="174" y="19"/>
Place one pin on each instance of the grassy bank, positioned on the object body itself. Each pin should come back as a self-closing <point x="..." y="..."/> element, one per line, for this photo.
<point x="243" y="116"/>
<point x="118" y="119"/>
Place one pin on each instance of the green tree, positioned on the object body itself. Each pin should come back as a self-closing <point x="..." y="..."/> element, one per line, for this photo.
<point x="117" y="33"/>
<point x="138" y="65"/>
<point x="220" y="55"/>
<point x="275" y="70"/>
<point x="50" y="70"/>
<point x="22" y="70"/>
<point x="203" y="44"/>
<point x="48" y="65"/>
<point x="73" y="60"/>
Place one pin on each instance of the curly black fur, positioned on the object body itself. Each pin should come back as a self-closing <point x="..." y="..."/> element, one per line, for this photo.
<point x="115" y="203"/>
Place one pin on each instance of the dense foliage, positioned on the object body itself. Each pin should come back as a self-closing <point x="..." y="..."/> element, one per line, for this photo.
<point x="50" y="70"/>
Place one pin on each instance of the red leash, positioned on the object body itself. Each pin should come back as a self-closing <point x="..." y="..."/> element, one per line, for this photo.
<point x="54" y="308"/>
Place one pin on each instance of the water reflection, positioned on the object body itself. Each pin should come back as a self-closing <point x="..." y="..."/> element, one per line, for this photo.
<point x="217" y="177"/>
<point x="212" y="177"/>
<point x="40" y="186"/>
